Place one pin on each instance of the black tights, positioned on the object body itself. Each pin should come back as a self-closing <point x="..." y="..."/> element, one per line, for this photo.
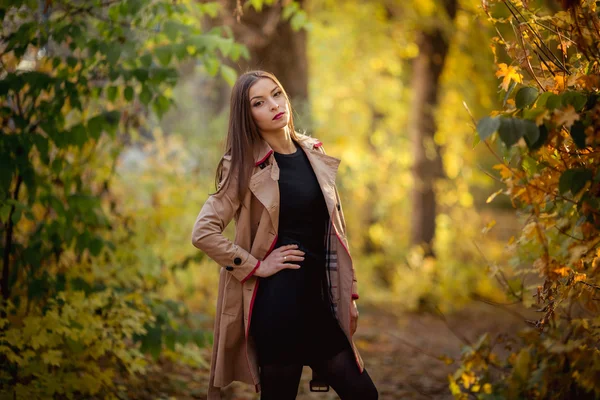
<point x="280" y="382"/>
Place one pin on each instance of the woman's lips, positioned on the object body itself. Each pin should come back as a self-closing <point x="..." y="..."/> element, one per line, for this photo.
<point x="278" y="115"/>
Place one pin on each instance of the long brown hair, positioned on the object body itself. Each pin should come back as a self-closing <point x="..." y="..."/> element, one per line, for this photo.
<point x="243" y="133"/>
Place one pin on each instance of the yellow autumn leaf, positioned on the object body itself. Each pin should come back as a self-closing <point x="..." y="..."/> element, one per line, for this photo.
<point x="559" y="82"/>
<point x="562" y="271"/>
<point x="509" y="73"/>
<point x="489" y="226"/>
<point x="52" y="357"/>
<point x="493" y="196"/>
<point x="566" y="117"/>
<point x="505" y="172"/>
<point x="468" y="379"/>
<point x="487" y="388"/>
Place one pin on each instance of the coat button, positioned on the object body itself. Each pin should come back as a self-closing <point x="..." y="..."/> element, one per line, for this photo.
<point x="237" y="261"/>
<point x="229" y="268"/>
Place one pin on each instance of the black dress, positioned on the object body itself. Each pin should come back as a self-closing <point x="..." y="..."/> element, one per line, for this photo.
<point x="292" y="321"/>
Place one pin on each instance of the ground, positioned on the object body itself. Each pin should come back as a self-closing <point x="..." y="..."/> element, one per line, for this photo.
<point x="400" y="351"/>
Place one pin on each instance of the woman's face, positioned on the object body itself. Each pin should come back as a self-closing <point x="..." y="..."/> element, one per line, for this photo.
<point x="268" y="105"/>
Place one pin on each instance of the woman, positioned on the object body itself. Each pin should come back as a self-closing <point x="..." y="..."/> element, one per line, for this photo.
<point x="287" y="289"/>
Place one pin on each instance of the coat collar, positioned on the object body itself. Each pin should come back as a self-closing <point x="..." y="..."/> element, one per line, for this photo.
<point x="263" y="150"/>
<point x="265" y="185"/>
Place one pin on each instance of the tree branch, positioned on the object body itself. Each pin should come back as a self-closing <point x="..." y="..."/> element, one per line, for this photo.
<point x="4" y="286"/>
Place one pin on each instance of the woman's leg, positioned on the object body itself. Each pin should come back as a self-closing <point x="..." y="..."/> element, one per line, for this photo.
<point x="279" y="382"/>
<point x="342" y="374"/>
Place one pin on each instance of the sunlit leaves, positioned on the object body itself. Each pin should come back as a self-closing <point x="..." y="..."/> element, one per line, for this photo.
<point x="555" y="182"/>
<point x="93" y="70"/>
<point x="508" y="74"/>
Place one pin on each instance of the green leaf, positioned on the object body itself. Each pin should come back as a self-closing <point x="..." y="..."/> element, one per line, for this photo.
<point x="574" y="180"/>
<point x="145" y="95"/>
<point x="111" y="93"/>
<point x="113" y="53"/>
<point x="16" y="217"/>
<point x="146" y="60"/>
<point x="487" y="126"/>
<point x="225" y="46"/>
<point x="554" y="101"/>
<point x="511" y="87"/>
<point x="4" y="212"/>
<point x="95" y="245"/>
<point x="228" y="74"/>
<point x="140" y="74"/>
<point x="290" y="10"/>
<point x="257" y="4"/>
<point x="171" y="29"/>
<point x="72" y="61"/>
<point x="95" y="126"/>
<point x="164" y="55"/>
<point x="531" y="132"/>
<point x="578" y="134"/>
<point x="542" y="137"/>
<point x="525" y="97"/>
<point x="212" y="9"/>
<point x="41" y="143"/>
<point x="128" y="93"/>
<point x="77" y="135"/>
<point x="212" y="65"/>
<point x="152" y="341"/>
<point x="541" y="101"/>
<point x="298" y="21"/>
<point x="510" y="130"/>
<point x="576" y="99"/>
<point x="37" y="80"/>
<point x="180" y="51"/>
<point x="161" y="105"/>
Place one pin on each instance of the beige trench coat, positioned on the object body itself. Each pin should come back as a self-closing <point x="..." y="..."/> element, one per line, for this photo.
<point x="257" y="218"/>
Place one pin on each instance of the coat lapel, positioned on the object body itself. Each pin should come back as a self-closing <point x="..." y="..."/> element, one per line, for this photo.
<point x="325" y="168"/>
<point x="264" y="183"/>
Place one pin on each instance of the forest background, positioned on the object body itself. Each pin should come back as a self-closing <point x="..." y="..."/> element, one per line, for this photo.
<point x="473" y="231"/>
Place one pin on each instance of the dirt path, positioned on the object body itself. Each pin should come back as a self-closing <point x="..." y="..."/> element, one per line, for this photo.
<point x="400" y="351"/>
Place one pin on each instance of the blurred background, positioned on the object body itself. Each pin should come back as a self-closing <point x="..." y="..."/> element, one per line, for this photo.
<point x="121" y="108"/>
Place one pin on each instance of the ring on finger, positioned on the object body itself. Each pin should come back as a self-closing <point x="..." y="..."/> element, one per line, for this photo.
<point x="284" y="258"/>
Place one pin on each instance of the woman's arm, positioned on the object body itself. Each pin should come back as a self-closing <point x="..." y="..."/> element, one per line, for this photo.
<point x="207" y="233"/>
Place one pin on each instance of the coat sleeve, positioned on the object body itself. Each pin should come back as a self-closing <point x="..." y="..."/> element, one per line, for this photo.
<point x="355" y="295"/>
<point x="207" y="233"/>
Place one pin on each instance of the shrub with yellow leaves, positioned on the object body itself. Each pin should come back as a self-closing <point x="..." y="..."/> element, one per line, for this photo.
<point x="549" y="129"/>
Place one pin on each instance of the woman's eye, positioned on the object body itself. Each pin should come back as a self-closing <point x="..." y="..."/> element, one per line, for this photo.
<point x="277" y="94"/>
<point x="257" y="104"/>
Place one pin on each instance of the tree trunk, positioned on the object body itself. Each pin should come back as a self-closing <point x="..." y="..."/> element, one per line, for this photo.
<point x="427" y="68"/>
<point x="273" y="46"/>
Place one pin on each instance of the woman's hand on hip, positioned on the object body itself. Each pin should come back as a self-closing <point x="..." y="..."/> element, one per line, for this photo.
<point x="280" y="259"/>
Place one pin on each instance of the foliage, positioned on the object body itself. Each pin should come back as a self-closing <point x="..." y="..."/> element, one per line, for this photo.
<point x="360" y="95"/>
<point x="77" y="83"/>
<point x="549" y="127"/>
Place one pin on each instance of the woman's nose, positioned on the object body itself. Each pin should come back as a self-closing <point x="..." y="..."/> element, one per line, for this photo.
<point x="274" y="105"/>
